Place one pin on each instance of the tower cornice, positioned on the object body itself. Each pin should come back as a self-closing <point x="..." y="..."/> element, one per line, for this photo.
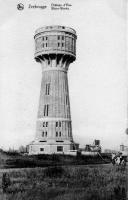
<point x="55" y="28"/>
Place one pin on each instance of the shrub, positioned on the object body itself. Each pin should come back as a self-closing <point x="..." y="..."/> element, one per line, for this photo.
<point x="54" y="172"/>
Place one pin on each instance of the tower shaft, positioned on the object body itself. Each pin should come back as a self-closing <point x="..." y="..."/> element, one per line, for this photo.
<point x="54" y="107"/>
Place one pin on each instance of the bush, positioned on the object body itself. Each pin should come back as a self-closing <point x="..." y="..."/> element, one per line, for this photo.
<point x="54" y="172"/>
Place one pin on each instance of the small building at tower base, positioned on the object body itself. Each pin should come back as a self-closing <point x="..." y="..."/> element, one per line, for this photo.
<point x="59" y="147"/>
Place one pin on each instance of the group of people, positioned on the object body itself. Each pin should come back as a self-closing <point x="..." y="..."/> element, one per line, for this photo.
<point x="118" y="159"/>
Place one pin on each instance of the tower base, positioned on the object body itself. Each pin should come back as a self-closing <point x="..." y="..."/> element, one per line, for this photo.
<point x="60" y="147"/>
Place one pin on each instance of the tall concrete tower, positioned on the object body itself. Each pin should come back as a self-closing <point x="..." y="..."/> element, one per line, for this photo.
<point x="55" y="49"/>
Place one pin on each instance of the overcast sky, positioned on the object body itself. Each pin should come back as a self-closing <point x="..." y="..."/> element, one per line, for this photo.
<point x="97" y="79"/>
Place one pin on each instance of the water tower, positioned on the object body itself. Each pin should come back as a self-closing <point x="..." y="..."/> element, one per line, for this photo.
<point x="55" y="49"/>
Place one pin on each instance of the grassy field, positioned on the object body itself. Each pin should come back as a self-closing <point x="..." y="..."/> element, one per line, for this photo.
<point x="96" y="182"/>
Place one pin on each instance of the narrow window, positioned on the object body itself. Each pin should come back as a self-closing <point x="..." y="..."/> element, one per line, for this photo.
<point x="46" y="124"/>
<point x="58" y="44"/>
<point x="60" y="134"/>
<point x="58" y="37"/>
<point x="47" y="89"/>
<point x="46" y="38"/>
<point x="47" y="109"/>
<point x="56" y="134"/>
<point x="59" y="124"/>
<point x="62" y="37"/>
<point x="44" y="110"/>
<point x="43" y="134"/>
<point x="48" y="62"/>
<point x="43" y="124"/>
<point x="46" y="134"/>
<point x="56" y="124"/>
<point x="43" y="38"/>
<point x="46" y="44"/>
<point x="62" y="44"/>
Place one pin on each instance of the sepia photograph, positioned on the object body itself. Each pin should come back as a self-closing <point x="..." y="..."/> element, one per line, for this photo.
<point x="63" y="100"/>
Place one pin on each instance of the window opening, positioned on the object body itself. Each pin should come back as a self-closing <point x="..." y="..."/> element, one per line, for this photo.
<point x="46" y="134"/>
<point x="59" y="124"/>
<point x="47" y="90"/>
<point x="47" y="109"/>
<point x="41" y="149"/>
<point x="56" y="124"/>
<point x="60" y="148"/>
<point x="44" y="110"/>
<point x="43" y="134"/>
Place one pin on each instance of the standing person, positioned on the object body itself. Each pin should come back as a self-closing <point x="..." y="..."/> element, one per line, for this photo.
<point x="113" y="158"/>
